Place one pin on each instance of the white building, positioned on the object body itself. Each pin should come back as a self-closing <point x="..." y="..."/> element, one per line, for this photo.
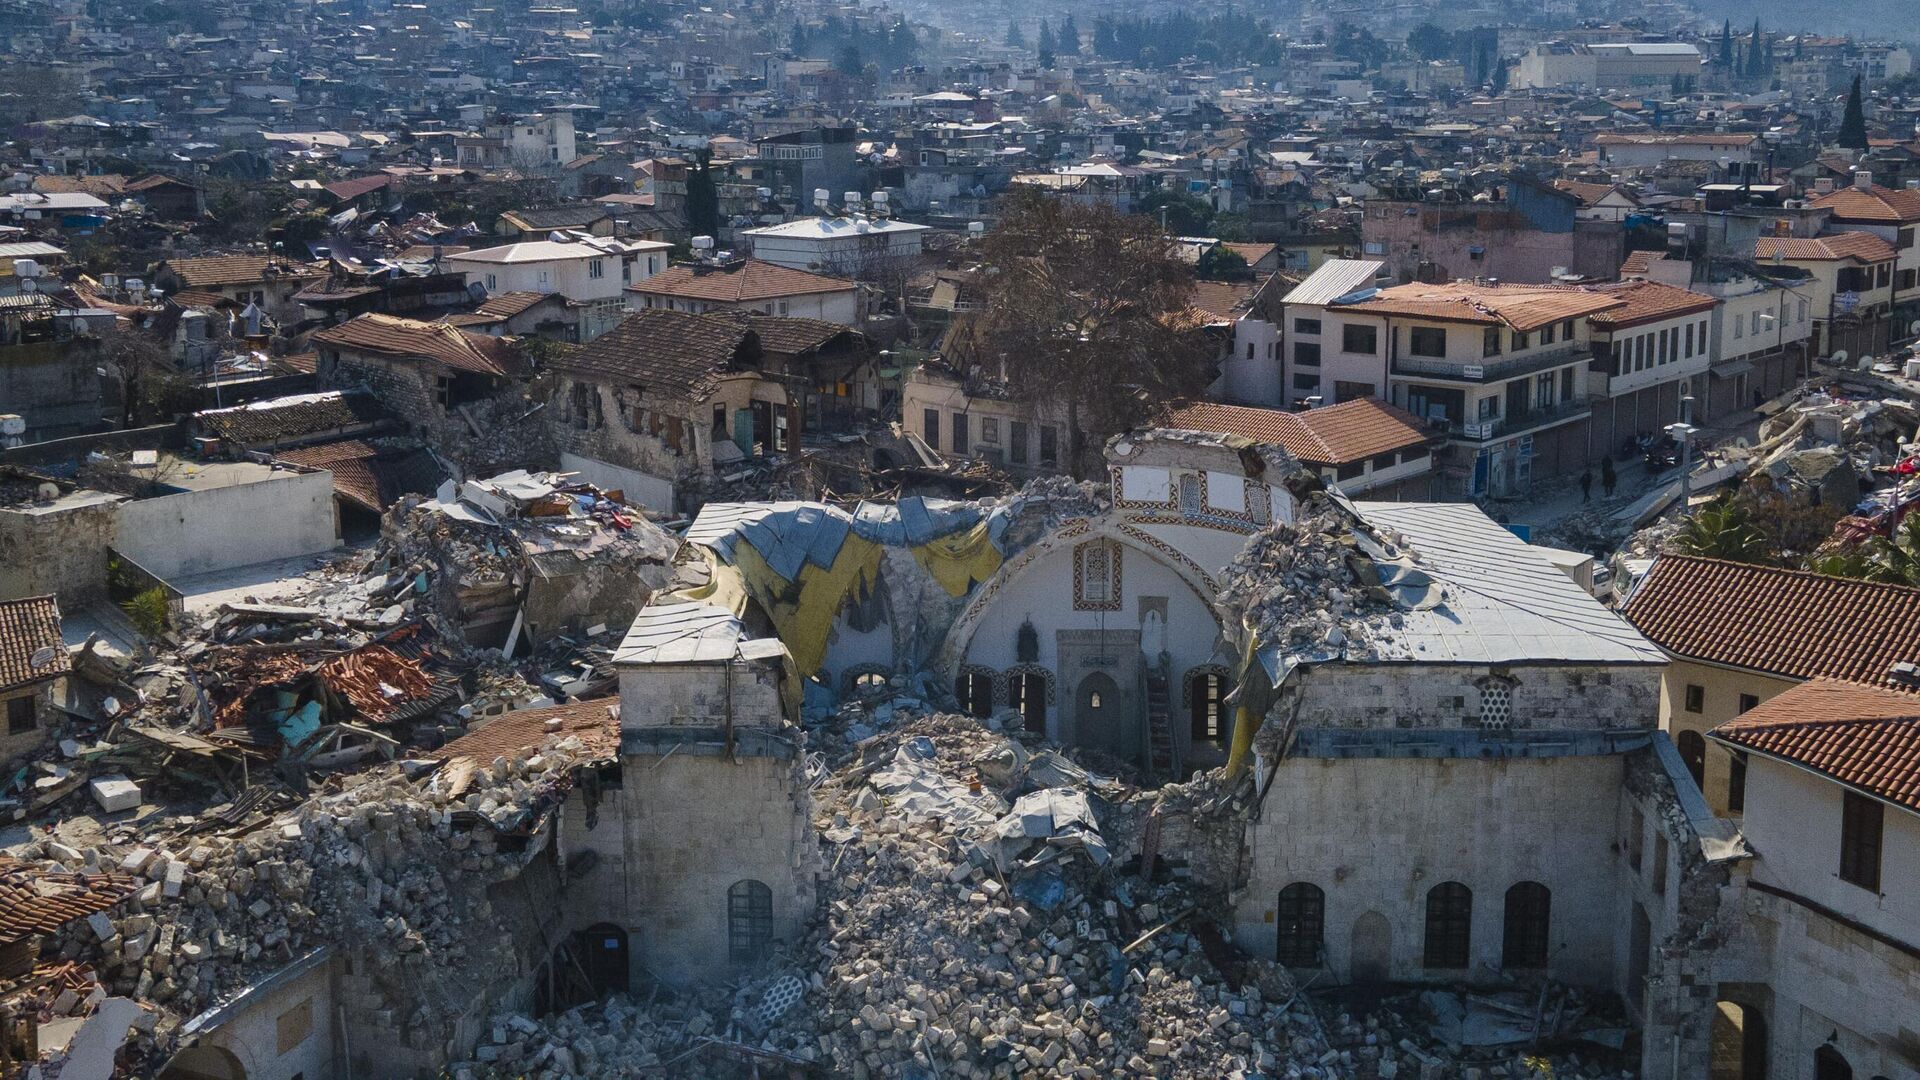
<point x="836" y="245"/>
<point x="1639" y="65"/>
<point x="591" y="272"/>
<point x="749" y="285"/>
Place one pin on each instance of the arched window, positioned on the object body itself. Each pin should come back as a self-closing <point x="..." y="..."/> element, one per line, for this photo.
<point x="974" y="691"/>
<point x="1525" y="940"/>
<point x="1030" y="689"/>
<point x="1190" y="493"/>
<point x="749" y="920"/>
<point x="1301" y="936"/>
<point x="1831" y="1064"/>
<point x="1693" y="751"/>
<point x="1449" y="925"/>
<point x="1207" y="704"/>
<point x="864" y="680"/>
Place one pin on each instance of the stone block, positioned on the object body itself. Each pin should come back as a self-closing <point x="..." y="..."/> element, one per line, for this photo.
<point x="115" y="793"/>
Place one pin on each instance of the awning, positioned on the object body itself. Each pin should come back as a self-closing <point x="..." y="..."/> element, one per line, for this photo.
<point x="1728" y="371"/>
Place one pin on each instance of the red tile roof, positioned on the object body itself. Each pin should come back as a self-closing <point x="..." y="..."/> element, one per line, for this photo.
<point x="1640" y="262"/>
<point x="1648" y="301"/>
<point x="1864" y="247"/>
<point x="1865" y="737"/>
<point x="1875" y="205"/>
<point x="1523" y="307"/>
<point x="216" y="270"/>
<point x="389" y="335"/>
<point x="595" y="722"/>
<point x="676" y="354"/>
<point x="1336" y="435"/>
<point x="30" y="627"/>
<point x="35" y="902"/>
<point x="748" y="281"/>
<point x="1223" y="301"/>
<point x="1787" y="623"/>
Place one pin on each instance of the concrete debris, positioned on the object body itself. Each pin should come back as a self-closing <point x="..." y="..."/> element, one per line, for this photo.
<point x="1296" y="586"/>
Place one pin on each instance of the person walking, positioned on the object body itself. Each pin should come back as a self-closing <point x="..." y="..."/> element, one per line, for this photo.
<point x="1586" y="485"/>
<point x="1608" y="478"/>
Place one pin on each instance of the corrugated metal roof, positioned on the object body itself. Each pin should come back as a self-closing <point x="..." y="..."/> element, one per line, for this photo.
<point x="1505" y="601"/>
<point x="1335" y="279"/>
<point x="688" y="633"/>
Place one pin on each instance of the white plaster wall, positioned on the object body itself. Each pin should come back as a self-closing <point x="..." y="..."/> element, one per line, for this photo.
<point x="652" y="492"/>
<point x="1044" y="594"/>
<point x="198" y="532"/>
<point x="1793" y="821"/>
<point x="252" y="1035"/>
<point x="1377" y="834"/>
<point x="1255" y="379"/>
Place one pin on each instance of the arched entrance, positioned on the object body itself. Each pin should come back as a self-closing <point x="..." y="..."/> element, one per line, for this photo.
<point x="1099" y="722"/>
<point x="204" y="1063"/>
<point x="1739" y="1043"/>
<point x="1372" y="956"/>
<point x="602" y="951"/>
<point x="1831" y="1064"/>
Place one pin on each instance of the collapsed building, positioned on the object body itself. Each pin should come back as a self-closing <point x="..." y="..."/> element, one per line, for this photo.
<point x="1424" y="754"/>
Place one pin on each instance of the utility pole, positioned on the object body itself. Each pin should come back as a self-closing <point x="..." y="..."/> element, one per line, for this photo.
<point x="1683" y="432"/>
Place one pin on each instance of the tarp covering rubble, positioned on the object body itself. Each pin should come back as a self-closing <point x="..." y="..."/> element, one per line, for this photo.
<point x="802" y="562"/>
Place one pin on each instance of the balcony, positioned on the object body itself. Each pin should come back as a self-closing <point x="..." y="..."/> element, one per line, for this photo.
<point x="1492" y="369"/>
<point x="1507" y="427"/>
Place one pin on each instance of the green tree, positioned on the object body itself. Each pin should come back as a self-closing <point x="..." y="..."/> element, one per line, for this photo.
<point x="1723" y="529"/>
<point x="1068" y="39"/>
<point x="1893" y="561"/>
<point x="1429" y="42"/>
<point x="1185" y="214"/>
<point x="1726" y="45"/>
<point x="1046" y="44"/>
<point x="1015" y="39"/>
<point x="1222" y="264"/>
<point x="1853" y="123"/>
<point x="703" y="198"/>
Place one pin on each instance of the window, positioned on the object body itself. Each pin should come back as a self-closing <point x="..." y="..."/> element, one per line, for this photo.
<point x="1903" y="239"/>
<point x="989" y="429"/>
<point x="1748" y="701"/>
<point x="1049" y="444"/>
<point x="1189" y="493"/>
<point x="1543" y="390"/>
<point x="1427" y="341"/>
<point x="1519" y="341"/>
<point x="1496" y="705"/>
<point x="1490" y="341"/>
<point x="974" y="691"/>
<point x="1306" y="353"/>
<point x="1696" y="697"/>
<point x="1449" y="925"/>
<point x="1096" y="576"/>
<point x="959" y="433"/>
<point x="1803" y="309"/>
<point x="1689" y="341"/>
<point x="1306" y="326"/>
<point x="1659" y="863"/>
<point x="1755" y="328"/>
<point x="1352" y="470"/>
<point x="930" y="428"/>
<point x="1693" y="751"/>
<point x="1739" y="327"/>
<point x="1300" y="936"/>
<point x="493" y="285"/>
<point x="292" y="1027"/>
<point x="1636" y="839"/>
<point x="21" y="715"/>
<point x="1017" y="441"/>
<point x="1249" y="350"/>
<point x="1861" y="823"/>
<point x="1206" y="701"/>
<point x="1524" y="943"/>
<point x="1546" y="335"/>
<point x="1566" y="384"/>
<point x="1737" y="783"/>
<point x="1382" y="461"/>
<point x="1566" y="330"/>
<point x="1360" y="339"/>
<point x="596" y="268"/>
<point x="1310" y="383"/>
<point x="749" y="920"/>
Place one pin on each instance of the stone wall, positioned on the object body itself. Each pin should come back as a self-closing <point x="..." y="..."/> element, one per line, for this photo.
<point x="699" y="696"/>
<point x="1389" y="695"/>
<point x="60" y="551"/>
<point x="598" y="421"/>
<point x="283" y="1031"/>
<point x="54" y="385"/>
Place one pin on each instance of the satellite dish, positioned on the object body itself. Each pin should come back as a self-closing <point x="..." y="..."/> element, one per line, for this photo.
<point x="1839" y="357"/>
<point x="42" y="657"/>
<point x="1913" y="328"/>
<point x="1866" y="363"/>
<point x="1740" y="442"/>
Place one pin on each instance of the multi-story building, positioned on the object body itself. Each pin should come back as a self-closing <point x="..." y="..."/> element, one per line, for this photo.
<point x="591" y="272"/>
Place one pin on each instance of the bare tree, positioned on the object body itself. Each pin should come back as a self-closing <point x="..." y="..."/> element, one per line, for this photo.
<point x="150" y="389"/>
<point x="1088" y="309"/>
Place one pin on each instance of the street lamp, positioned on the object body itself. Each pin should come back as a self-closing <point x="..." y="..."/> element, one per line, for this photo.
<point x="1683" y="433"/>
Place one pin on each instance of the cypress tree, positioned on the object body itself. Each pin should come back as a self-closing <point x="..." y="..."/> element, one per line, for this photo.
<point x="1726" y="45"/>
<point x="1853" y="124"/>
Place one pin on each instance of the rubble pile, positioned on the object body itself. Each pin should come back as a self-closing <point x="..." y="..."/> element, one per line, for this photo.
<point x="1525" y="1033"/>
<point x="1293" y="584"/>
<point x="386" y="864"/>
<point x="959" y="941"/>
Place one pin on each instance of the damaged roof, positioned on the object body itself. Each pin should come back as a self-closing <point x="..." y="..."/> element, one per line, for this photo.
<point x="390" y="335"/>
<point x="295" y="417"/>
<point x="34" y="901"/>
<point x="1866" y="737"/>
<point x="1502" y="601"/>
<point x="1336" y="435"/>
<point x="1788" y="623"/>
<point x="746" y="281"/>
<point x="595" y="722"/>
<point x="1523" y="308"/>
<point x="30" y="645"/>
<point x="677" y="354"/>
